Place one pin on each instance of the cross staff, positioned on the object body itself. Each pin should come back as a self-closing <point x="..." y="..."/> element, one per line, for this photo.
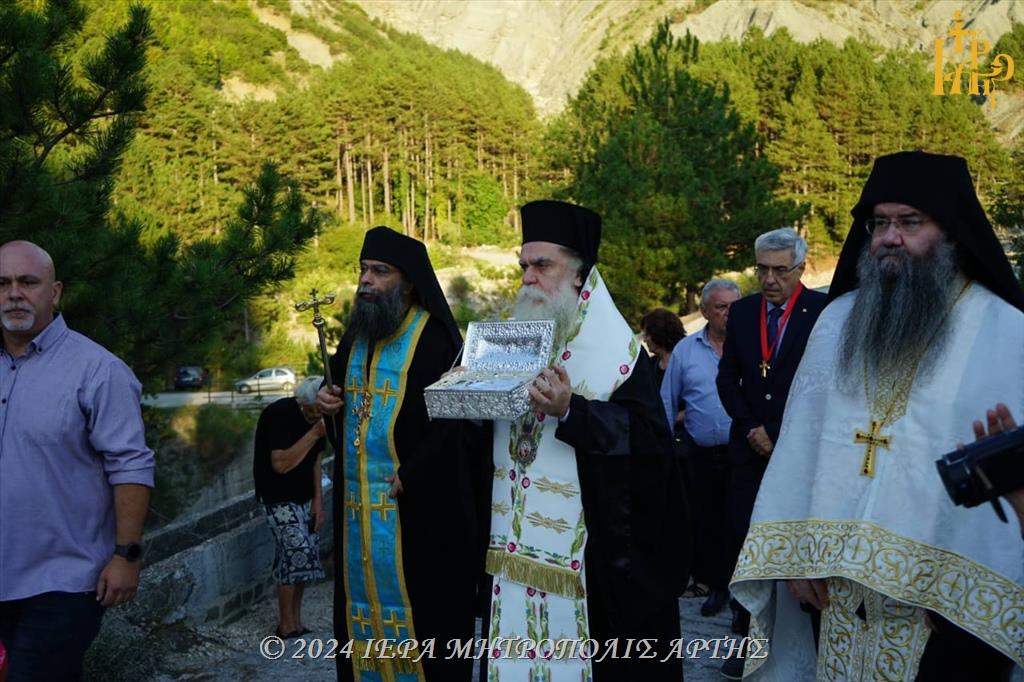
<point x="318" y="322"/>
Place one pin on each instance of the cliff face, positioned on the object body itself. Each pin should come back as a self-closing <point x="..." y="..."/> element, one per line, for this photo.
<point x="889" y="23"/>
<point x="547" y="46"/>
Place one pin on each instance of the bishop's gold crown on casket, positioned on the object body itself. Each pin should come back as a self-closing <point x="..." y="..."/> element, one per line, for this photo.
<point x="501" y="358"/>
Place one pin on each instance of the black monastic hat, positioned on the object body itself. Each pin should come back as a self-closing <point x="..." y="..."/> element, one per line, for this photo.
<point x="940" y="186"/>
<point x="557" y="222"/>
<point x="410" y="256"/>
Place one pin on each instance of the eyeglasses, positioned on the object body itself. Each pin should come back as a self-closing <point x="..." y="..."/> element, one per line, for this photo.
<point x="777" y="270"/>
<point x="904" y="224"/>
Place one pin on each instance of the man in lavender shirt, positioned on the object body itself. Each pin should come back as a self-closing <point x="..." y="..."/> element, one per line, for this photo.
<point x="75" y="476"/>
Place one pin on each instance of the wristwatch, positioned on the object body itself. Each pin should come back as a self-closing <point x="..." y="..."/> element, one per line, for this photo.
<point x="131" y="552"/>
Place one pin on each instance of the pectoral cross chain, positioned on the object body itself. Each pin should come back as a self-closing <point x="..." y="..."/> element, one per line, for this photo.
<point x="365" y="409"/>
<point x="873" y="440"/>
<point x="362" y="411"/>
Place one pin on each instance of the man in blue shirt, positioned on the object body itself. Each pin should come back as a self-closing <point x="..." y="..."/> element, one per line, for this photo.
<point x="689" y="384"/>
<point x="75" y="476"/>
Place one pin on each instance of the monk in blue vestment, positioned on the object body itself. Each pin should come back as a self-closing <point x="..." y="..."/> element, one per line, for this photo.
<point x="404" y="520"/>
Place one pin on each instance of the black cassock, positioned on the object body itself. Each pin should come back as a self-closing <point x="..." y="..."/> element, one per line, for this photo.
<point x="436" y="513"/>
<point x="638" y="544"/>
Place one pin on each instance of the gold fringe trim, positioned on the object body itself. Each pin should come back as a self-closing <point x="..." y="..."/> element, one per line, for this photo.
<point x="367" y="660"/>
<point x="900" y="567"/>
<point x="552" y="579"/>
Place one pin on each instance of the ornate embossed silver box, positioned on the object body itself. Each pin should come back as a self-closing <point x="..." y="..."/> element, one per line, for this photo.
<point x="501" y="359"/>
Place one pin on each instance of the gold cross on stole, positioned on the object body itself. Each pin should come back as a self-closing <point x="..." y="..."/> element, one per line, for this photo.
<point x="872" y="439"/>
<point x="361" y="619"/>
<point x="354" y="390"/>
<point x="395" y="623"/>
<point x="764" y="369"/>
<point x="385" y="393"/>
<point x="382" y="506"/>
<point x="352" y="504"/>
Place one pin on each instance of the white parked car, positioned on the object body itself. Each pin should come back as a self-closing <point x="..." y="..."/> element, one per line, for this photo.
<point x="273" y="379"/>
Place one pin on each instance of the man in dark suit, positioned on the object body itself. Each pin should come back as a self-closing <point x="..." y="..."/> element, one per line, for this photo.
<point x="764" y="341"/>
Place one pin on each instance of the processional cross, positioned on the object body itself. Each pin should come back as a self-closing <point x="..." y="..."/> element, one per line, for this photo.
<point x="318" y="322"/>
<point x="873" y="440"/>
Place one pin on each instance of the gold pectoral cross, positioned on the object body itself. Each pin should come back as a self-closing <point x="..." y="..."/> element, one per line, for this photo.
<point x="872" y="439"/>
<point x="362" y="411"/>
<point x="365" y="409"/>
<point x="764" y="369"/>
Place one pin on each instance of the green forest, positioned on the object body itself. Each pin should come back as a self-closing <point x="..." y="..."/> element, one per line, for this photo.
<point x="194" y="175"/>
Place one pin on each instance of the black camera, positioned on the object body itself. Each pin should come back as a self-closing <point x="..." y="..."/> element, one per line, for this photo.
<point x="985" y="469"/>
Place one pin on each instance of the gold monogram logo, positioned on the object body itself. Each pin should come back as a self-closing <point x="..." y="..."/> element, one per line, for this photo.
<point x="969" y="49"/>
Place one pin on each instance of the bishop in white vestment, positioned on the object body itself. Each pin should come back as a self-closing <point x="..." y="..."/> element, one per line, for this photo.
<point x="588" y="540"/>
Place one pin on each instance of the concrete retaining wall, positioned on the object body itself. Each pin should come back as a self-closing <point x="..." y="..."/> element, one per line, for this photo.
<point x="219" y="577"/>
<point x="206" y="568"/>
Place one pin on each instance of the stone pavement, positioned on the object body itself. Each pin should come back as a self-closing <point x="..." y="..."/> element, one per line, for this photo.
<point x="229" y="653"/>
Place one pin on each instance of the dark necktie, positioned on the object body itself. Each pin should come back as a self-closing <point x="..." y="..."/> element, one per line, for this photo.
<point x="773" y="325"/>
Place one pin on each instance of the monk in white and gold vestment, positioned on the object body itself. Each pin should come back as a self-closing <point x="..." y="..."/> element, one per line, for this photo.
<point x="924" y="324"/>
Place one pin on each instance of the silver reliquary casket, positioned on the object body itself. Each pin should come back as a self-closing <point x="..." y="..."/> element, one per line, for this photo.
<point x="501" y="359"/>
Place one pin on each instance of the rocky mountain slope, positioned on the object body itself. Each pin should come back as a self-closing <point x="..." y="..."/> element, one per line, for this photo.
<point x="547" y="46"/>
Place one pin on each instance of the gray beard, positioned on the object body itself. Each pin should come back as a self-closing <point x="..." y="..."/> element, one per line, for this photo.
<point x="15" y="325"/>
<point x="560" y="307"/>
<point x="899" y="316"/>
<point x="375" y="320"/>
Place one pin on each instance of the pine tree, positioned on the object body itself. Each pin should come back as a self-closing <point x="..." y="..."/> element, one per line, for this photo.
<point x="809" y="165"/>
<point x="675" y="174"/>
<point x="143" y="294"/>
<point x="1008" y="212"/>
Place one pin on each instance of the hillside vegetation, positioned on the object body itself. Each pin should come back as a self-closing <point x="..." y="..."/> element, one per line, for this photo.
<point x="688" y="149"/>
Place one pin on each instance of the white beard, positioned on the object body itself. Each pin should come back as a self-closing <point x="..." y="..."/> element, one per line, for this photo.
<point x="17" y="324"/>
<point x="532" y="303"/>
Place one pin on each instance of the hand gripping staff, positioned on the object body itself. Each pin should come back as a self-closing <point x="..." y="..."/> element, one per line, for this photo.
<point x="318" y="322"/>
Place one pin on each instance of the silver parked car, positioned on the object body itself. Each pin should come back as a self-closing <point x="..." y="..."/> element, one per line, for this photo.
<point x="273" y="379"/>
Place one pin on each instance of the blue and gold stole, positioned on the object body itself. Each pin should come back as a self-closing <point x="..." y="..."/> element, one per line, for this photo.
<point x="376" y="598"/>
